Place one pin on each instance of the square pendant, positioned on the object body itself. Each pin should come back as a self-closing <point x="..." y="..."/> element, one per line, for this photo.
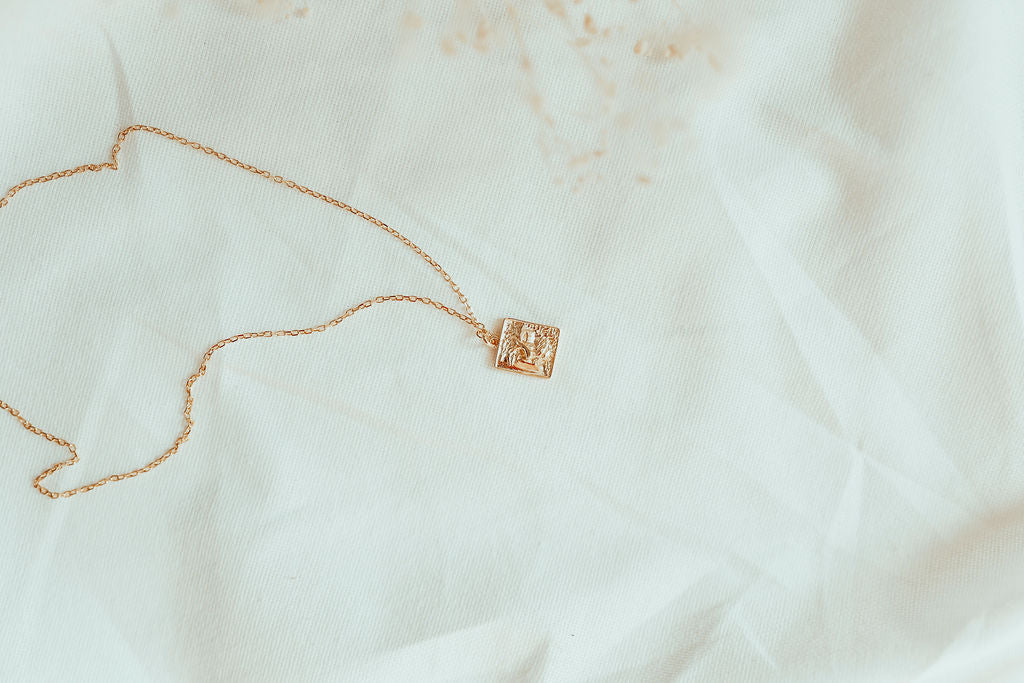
<point x="527" y="348"/>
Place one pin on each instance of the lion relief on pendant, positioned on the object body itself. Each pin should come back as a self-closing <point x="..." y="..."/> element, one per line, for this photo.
<point x="526" y="347"/>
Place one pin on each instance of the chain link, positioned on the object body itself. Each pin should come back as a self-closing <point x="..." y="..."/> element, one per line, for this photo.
<point x="468" y="317"/>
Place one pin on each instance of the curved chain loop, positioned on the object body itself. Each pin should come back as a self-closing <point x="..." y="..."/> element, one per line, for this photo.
<point x="468" y="317"/>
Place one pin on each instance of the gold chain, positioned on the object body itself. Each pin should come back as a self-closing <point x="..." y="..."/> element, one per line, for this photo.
<point x="468" y="317"/>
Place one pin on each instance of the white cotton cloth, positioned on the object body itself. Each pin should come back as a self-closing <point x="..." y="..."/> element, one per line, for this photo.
<point x="784" y="244"/>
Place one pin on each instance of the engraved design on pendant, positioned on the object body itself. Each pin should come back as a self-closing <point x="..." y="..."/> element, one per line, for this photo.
<point x="527" y="348"/>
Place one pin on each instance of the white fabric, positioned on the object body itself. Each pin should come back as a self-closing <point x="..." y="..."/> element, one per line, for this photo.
<point x="782" y="441"/>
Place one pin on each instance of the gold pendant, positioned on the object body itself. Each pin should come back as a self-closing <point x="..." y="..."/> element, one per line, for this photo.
<point x="527" y="348"/>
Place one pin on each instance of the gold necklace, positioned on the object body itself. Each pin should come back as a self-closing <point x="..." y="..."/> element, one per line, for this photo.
<point x="523" y="347"/>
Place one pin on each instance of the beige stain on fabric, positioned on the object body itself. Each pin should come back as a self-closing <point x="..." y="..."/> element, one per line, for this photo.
<point x="273" y="10"/>
<point x="680" y="41"/>
<point x="469" y="27"/>
<point x="668" y="52"/>
<point x="411" y="21"/>
<point x="607" y="53"/>
<point x="572" y="164"/>
<point x="408" y="26"/>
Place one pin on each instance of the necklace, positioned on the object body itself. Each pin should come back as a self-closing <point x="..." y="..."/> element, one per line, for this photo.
<point x="522" y="347"/>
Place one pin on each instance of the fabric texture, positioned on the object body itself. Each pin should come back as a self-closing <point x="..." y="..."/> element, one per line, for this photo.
<point x="783" y="242"/>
